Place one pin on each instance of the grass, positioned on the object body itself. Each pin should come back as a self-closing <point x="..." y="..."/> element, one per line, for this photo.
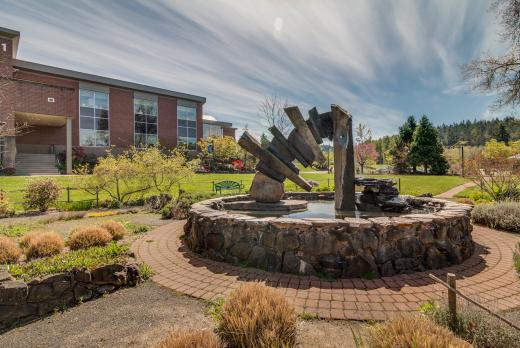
<point x="146" y="272"/>
<point x="79" y="259"/>
<point x="16" y="230"/>
<point x="203" y="183"/>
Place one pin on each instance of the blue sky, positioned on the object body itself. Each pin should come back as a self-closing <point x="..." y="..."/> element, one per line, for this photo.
<point x="381" y="60"/>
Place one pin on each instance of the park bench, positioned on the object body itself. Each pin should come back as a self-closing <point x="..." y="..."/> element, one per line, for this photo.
<point x="227" y="185"/>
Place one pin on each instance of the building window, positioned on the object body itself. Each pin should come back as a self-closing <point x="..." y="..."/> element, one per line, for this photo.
<point x="212" y="130"/>
<point x="187" y="127"/>
<point x="145" y="131"/>
<point x="93" y="118"/>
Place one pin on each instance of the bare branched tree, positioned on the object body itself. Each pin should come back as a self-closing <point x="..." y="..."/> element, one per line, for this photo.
<point x="500" y="75"/>
<point x="272" y="111"/>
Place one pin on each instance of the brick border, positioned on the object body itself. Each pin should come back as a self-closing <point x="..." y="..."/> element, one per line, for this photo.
<point x="488" y="276"/>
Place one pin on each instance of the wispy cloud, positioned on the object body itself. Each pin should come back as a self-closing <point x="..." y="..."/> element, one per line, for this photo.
<point x="378" y="59"/>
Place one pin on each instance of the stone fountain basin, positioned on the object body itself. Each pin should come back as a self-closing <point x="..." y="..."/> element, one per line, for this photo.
<point x="340" y="248"/>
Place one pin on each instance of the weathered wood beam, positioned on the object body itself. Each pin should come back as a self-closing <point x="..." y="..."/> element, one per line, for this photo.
<point x="296" y="153"/>
<point x="344" y="170"/>
<point x="251" y="145"/>
<point x="297" y="141"/>
<point x="294" y="114"/>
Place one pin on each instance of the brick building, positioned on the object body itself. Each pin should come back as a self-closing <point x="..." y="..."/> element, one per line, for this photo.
<point x="67" y="108"/>
<point x="212" y="127"/>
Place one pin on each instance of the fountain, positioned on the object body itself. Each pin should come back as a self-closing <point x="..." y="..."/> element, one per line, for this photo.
<point x="340" y="234"/>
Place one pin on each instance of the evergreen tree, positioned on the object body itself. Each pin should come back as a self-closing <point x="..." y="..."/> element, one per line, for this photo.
<point x="407" y="129"/>
<point x="503" y="134"/>
<point x="264" y="141"/>
<point x="426" y="148"/>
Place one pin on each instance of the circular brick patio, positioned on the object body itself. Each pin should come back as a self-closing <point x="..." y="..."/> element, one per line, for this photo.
<point x="488" y="276"/>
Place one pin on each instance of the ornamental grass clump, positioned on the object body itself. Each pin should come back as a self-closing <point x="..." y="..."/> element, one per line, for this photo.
<point x="89" y="236"/>
<point x="9" y="251"/>
<point x="42" y="244"/>
<point x="255" y="315"/>
<point x="191" y="339"/>
<point x="413" y="332"/>
<point x="501" y="215"/>
<point x="116" y="229"/>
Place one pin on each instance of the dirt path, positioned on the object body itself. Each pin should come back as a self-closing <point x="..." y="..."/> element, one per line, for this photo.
<point x="452" y="192"/>
<point x="141" y="316"/>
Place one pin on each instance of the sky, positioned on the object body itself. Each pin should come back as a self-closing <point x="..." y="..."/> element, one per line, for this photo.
<point x="380" y="60"/>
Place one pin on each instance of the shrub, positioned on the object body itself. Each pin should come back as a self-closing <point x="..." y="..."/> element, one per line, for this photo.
<point x="9" y="251"/>
<point x="116" y="229"/>
<point x="257" y="316"/>
<point x="501" y="215"/>
<point x="4" y="206"/>
<point x="42" y="244"/>
<point x="412" y="332"/>
<point x="90" y="236"/>
<point x="475" y="326"/>
<point x="41" y="194"/>
<point x="75" y="259"/>
<point x="179" y="208"/>
<point x="191" y="339"/>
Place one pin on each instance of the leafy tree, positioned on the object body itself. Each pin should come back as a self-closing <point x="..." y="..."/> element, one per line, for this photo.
<point x="225" y="149"/>
<point x="500" y="74"/>
<point x="401" y="146"/>
<point x="426" y="148"/>
<point x="264" y="141"/>
<point x="365" y="153"/>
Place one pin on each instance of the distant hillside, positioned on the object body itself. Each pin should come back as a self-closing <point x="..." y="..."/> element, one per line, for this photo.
<point x="479" y="131"/>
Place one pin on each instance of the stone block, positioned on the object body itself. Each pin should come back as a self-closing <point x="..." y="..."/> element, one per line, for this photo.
<point x="4" y="275"/>
<point x="241" y="250"/>
<point x="83" y="276"/>
<point x="12" y="291"/>
<point x="109" y="274"/>
<point x="387" y="269"/>
<point x="257" y="257"/>
<point x="82" y="293"/>
<point x="410" y="247"/>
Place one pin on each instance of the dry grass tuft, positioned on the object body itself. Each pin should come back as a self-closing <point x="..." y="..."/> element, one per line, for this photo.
<point x="257" y="316"/>
<point x="43" y="244"/>
<point x="89" y="236"/>
<point x="413" y="332"/>
<point x="191" y="339"/>
<point x="116" y="229"/>
<point x="29" y="238"/>
<point x="9" y="251"/>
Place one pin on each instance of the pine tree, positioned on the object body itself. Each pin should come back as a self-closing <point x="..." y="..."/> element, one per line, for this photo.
<point x="426" y="148"/>
<point x="503" y="134"/>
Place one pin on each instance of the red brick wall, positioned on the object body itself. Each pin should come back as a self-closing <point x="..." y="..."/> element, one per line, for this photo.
<point x="6" y="85"/>
<point x="167" y="122"/>
<point x="121" y="117"/>
<point x="228" y="132"/>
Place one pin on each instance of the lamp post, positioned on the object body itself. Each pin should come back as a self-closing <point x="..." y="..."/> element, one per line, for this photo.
<point x="460" y="145"/>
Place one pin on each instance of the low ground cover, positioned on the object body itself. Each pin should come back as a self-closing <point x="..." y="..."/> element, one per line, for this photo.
<point x="80" y="259"/>
<point x="500" y="215"/>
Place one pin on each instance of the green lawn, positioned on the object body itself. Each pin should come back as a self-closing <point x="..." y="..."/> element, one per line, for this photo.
<point x="410" y="184"/>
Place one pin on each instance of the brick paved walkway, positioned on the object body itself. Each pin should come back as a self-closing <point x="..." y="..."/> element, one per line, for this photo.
<point x="488" y="276"/>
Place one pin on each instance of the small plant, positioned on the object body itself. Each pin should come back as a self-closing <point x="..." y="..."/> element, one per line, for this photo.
<point x="41" y="194"/>
<point x="308" y="316"/>
<point x="115" y="228"/>
<point x="15" y="230"/>
<point x="191" y="339"/>
<point x="89" y="236"/>
<point x="134" y="228"/>
<point x="257" y="316"/>
<point x="102" y="213"/>
<point x="412" y="332"/>
<point x="75" y="259"/>
<point x="9" y="251"/>
<point x="77" y="205"/>
<point x="214" y="309"/>
<point x="370" y="275"/>
<point x="42" y="244"/>
<point x="4" y="205"/>
<point x="146" y="272"/>
<point x="474" y="325"/>
<point x="501" y="215"/>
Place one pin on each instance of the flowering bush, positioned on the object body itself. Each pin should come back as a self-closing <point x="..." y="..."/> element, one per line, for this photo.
<point x="41" y="194"/>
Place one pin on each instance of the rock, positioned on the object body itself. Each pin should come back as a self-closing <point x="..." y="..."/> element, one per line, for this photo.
<point x="405" y="265"/>
<point x="410" y="247"/>
<point x="42" y="292"/>
<point x="14" y="312"/>
<point x="133" y="274"/>
<point x="4" y="275"/>
<point x="387" y="269"/>
<point x="369" y="240"/>
<point x="81" y="293"/>
<point x="241" y="250"/>
<point x="12" y="291"/>
<point x="257" y="256"/>
<point x="109" y="274"/>
<point x="291" y="263"/>
<point x="83" y="276"/>
<point x="434" y="258"/>
<point x="387" y="252"/>
<point x="214" y="241"/>
<point x="359" y="265"/>
<point x="103" y="289"/>
<point x="266" y="190"/>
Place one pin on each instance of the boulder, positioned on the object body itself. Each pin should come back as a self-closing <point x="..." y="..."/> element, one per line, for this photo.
<point x="109" y="274"/>
<point x="266" y="190"/>
<point x="12" y="291"/>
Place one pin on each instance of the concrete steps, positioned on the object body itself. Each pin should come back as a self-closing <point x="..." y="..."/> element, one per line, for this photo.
<point x="36" y="164"/>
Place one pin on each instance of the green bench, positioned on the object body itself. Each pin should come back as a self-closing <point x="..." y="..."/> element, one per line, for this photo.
<point x="227" y="185"/>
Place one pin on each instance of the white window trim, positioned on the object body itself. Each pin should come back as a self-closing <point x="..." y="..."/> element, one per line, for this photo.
<point x="79" y="116"/>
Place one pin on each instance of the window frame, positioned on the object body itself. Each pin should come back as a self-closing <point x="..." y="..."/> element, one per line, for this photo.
<point x="194" y="107"/>
<point x="156" y="102"/>
<point x="94" y="117"/>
